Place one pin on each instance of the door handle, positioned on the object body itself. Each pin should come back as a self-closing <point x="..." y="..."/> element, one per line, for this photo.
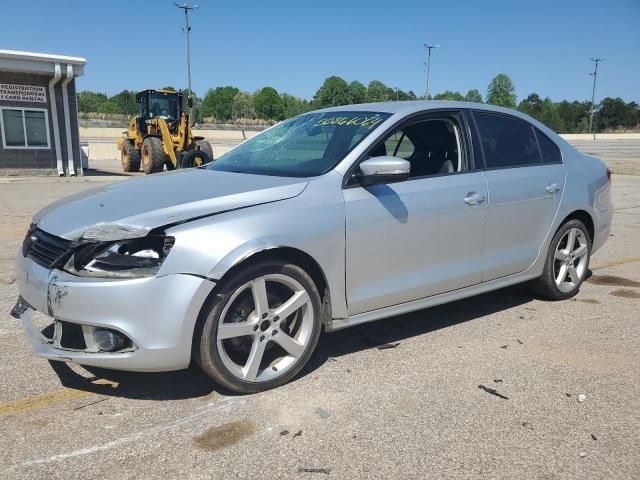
<point x="474" y="198"/>
<point x="552" y="188"/>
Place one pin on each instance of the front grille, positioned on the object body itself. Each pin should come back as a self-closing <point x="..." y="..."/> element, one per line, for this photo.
<point x="46" y="249"/>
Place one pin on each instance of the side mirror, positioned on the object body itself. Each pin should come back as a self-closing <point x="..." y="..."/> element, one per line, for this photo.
<point x="378" y="170"/>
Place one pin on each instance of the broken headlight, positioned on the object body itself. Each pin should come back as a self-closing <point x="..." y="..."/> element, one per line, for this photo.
<point x="133" y="258"/>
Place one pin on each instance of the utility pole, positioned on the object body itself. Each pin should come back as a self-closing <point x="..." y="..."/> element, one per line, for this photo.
<point x="594" y="74"/>
<point x="429" y="47"/>
<point x="187" y="28"/>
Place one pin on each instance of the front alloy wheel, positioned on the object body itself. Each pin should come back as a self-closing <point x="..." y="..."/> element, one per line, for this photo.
<point x="262" y="329"/>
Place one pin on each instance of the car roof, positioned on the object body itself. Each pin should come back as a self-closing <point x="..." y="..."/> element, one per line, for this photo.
<point x="407" y="107"/>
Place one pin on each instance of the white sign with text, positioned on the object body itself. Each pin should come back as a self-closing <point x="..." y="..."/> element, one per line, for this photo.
<point x="22" y="93"/>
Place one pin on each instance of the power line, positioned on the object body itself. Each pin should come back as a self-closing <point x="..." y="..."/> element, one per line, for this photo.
<point x="594" y="74"/>
<point x="429" y="47"/>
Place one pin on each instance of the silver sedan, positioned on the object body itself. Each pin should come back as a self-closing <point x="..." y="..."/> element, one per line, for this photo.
<point x="327" y="220"/>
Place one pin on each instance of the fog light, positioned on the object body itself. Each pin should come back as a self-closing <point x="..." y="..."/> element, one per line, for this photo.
<point x="109" y="340"/>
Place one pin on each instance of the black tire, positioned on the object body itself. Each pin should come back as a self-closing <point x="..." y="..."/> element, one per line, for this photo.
<point x="130" y="157"/>
<point x="153" y="156"/>
<point x="205" y="147"/>
<point x="546" y="286"/>
<point x="205" y="345"/>
<point x="194" y="158"/>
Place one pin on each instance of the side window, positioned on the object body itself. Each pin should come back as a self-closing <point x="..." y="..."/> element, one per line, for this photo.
<point x="399" y="145"/>
<point x="431" y="146"/>
<point x="506" y="141"/>
<point x="549" y="150"/>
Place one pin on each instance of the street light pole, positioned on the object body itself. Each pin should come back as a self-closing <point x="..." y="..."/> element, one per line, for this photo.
<point x="593" y="92"/>
<point x="429" y="47"/>
<point x="187" y="29"/>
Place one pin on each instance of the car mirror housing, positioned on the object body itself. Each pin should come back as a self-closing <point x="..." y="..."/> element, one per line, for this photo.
<point x="385" y="169"/>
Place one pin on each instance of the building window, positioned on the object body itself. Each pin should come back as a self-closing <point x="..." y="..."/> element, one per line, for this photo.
<point x="24" y="128"/>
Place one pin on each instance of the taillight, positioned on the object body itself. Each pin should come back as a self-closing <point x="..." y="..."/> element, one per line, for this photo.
<point x="609" y="174"/>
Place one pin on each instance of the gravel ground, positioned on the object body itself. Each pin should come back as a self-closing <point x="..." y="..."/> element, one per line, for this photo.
<point x="486" y="387"/>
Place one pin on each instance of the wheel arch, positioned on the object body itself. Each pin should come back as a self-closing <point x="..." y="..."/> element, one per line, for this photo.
<point x="285" y="254"/>
<point x="585" y="218"/>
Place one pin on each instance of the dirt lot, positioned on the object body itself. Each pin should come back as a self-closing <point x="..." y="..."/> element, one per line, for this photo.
<point x="482" y="388"/>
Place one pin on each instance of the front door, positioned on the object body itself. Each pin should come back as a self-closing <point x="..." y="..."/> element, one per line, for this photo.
<point x="421" y="237"/>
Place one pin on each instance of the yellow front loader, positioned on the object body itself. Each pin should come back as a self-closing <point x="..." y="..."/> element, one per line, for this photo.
<point x="161" y="135"/>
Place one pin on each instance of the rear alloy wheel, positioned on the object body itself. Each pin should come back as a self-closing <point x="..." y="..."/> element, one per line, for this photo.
<point x="567" y="262"/>
<point x="261" y="329"/>
<point x="153" y="156"/>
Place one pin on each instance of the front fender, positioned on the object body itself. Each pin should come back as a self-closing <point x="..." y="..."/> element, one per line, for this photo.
<point x="211" y="246"/>
<point x="246" y="250"/>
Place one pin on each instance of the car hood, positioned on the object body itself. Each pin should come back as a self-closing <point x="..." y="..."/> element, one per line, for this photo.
<point x="163" y="199"/>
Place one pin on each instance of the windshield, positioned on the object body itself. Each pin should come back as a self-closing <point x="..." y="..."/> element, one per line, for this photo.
<point x="303" y="146"/>
<point x="163" y="105"/>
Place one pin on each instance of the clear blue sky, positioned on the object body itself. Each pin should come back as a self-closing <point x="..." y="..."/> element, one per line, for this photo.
<point x="543" y="45"/>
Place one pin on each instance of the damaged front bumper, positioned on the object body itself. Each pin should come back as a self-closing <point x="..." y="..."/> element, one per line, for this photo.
<point x="157" y="315"/>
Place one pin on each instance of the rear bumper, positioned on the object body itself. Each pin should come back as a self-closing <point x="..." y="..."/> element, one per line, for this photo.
<point x="158" y="315"/>
<point x="603" y="210"/>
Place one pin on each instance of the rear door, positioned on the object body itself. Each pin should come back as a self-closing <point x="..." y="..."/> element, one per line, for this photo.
<point x="524" y="192"/>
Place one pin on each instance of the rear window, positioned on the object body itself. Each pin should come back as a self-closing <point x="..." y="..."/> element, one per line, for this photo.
<point x="506" y="141"/>
<point x="548" y="149"/>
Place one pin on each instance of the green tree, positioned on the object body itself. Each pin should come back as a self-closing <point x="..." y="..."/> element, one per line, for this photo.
<point x="358" y="92"/>
<point x="333" y="92"/>
<point x="171" y="89"/>
<point x="449" y="95"/>
<point x="268" y="104"/>
<point x="532" y="105"/>
<point x="109" y="107"/>
<point x="294" y="106"/>
<point x="501" y="92"/>
<point x="379" y="92"/>
<point x="473" y="95"/>
<point x="243" y="106"/>
<point x="126" y="101"/>
<point x="90" y="101"/>
<point x="196" y="109"/>
<point x="549" y="115"/>
<point x="402" y="96"/>
<point x="218" y="103"/>
<point x="574" y="116"/>
<point x="614" y="113"/>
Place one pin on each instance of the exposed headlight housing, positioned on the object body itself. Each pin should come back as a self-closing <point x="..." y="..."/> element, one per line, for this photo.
<point x="129" y="258"/>
<point x="114" y="232"/>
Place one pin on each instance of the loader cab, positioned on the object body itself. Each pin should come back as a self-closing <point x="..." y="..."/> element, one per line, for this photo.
<point x="158" y="103"/>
